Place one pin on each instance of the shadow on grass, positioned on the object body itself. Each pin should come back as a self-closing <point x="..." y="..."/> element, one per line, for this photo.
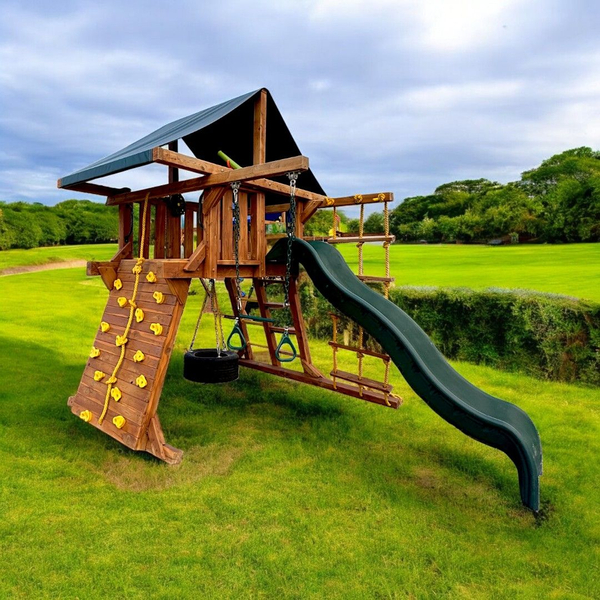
<point x="217" y="424"/>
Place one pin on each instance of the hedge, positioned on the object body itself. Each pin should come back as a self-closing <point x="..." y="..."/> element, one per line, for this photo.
<point x="548" y="336"/>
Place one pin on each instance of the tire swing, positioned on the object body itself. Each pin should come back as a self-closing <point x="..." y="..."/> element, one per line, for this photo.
<point x="211" y="365"/>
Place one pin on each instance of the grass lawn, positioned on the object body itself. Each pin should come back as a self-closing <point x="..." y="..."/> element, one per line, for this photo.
<point x="572" y="269"/>
<point x="285" y="491"/>
<point x="53" y="254"/>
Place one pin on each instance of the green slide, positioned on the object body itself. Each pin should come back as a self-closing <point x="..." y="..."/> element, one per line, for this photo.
<point x="479" y="415"/>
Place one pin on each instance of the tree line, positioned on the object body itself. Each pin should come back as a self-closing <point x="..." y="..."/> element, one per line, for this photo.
<point x="24" y="225"/>
<point x="558" y="201"/>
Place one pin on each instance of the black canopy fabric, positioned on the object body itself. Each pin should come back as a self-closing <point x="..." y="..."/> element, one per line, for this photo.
<point x="228" y="126"/>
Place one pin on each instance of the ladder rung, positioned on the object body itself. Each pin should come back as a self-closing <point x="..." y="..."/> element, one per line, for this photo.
<point x="364" y="381"/>
<point x="363" y="351"/>
<point x="372" y="279"/>
<point x="366" y="238"/>
<point x="291" y="330"/>
<point x="275" y="305"/>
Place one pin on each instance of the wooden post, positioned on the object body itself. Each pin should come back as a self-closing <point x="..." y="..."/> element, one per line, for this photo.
<point x="259" y="155"/>
<point x="188" y="232"/>
<point x="231" y="288"/>
<point x="173" y="222"/>
<point x="145" y="251"/>
<point x="126" y="227"/>
<point x="160" y="224"/>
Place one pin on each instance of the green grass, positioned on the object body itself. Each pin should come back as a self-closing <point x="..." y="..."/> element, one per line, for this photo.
<point x="53" y="254"/>
<point x="286" y="491"/>
<point x="572" y="269"/>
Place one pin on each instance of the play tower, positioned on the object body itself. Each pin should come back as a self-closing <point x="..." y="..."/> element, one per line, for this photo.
<point x="223" y="237"/>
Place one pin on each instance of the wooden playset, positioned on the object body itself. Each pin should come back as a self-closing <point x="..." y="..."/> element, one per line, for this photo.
<point x="222" y="237"/>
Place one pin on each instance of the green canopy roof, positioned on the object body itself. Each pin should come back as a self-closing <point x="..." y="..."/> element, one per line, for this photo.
<point x="228" y="126"/>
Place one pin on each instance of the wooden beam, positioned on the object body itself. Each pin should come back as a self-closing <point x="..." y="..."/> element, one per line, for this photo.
<point x="322" y="382"/>
<point x="259" y="155"/>
<point x="173" y="221"/>
<point x="360" y="199"/>
<point x="196" y="259"/>
<point x="366" y="238"/>
<point x="270" y="169"/>
<point x="93" y="188"/>
<point x="125" y="225"/>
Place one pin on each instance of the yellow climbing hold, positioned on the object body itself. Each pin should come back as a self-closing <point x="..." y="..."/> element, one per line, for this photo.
<point x="99" y="375"/>
<point x="139" y="356"/>
<point x="104" y="326"/>
<point x="157" y="328"/>
<point x="115" y="394"/>
<point x="139" y="315"/>
<point x="119" y="422"/>
<point x="159" y="297"/>
<point x="122" y="301"/>
<point x="120" y="340"/>
<point x="118" y="284"/>
<point x="111" y="379"/>
<point x="86" y="415"/>
<point x="141" y="381"/>
<point x="94" y="352"/>
<point x="151" y="277"/>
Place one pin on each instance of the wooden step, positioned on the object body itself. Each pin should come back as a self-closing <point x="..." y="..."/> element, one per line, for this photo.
<point x="363" y="381"/>
<point x="366" y="238"/>
<point x="275" y="305"/>
<point x="373" y="279"/>
<point x="275" y="329"/>
<point x="362" y="351"/>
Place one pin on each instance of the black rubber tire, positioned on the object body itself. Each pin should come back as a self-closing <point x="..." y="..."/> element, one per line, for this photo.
<point x="205" y="366"/>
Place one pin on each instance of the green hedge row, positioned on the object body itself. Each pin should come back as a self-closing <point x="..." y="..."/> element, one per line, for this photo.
<point x="544" y="335"/>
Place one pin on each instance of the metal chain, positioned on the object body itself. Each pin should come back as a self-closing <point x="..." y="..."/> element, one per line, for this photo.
<point x="291" y="234"/>
<point x="235" y="187"/>
<point x="214" y="305"/>
<point x="200" y="313"/>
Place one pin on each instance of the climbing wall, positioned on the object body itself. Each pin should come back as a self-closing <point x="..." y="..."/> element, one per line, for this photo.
<point x="120" y="389"/>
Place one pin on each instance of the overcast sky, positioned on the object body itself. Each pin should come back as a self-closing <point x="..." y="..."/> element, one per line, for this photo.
<point x="385" y="95"/>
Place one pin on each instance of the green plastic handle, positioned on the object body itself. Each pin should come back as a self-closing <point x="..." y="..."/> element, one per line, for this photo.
<point x="285" y="341"/>
<point x="236" y="331"/>
<point x="228" y="161"/>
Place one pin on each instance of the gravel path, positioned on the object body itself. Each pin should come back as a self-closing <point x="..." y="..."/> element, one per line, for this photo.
<point x="68" y="264"/>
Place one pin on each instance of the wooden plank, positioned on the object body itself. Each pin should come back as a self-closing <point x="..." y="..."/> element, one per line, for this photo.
<point x="360" y="199"/>
<point x="160" y="227"/>
<point x="146" y="249"/>
<point x="197" y="258"/>
<point x="125" y="252"/>
<point x="373" y="279"/>
<point x="366" y="238"/>
<point x="231" y="289"/>
<point x="125" y="224"/>
<point x="300" y="330"/>
<point x="322" y="382"/>
<point x="227" y="227"/>
<point x="261" y="296"/>
<point x="163" y="364"/>
<point x="259" y="140"/>
<point x="195" y="165"/>
<point x="157" y="446"/>
<point x="270" y="169"/>
<point x="93" y="188"/>
<point x="362" y="381"/>
<point x="188" y="231"/>
<point x="109" y="275"/>
<point x="360" y="350"/>
<point x="173" y="221"/>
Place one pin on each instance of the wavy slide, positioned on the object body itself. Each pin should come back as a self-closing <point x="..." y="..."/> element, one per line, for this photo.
<point x="479" y="415"/>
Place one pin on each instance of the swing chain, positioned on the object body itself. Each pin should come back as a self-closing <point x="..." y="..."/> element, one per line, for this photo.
<point x="235" y="187"/>
<point x="291" y="234"/>
<point x="200" y="313"/>
<point x="214" y="305"/>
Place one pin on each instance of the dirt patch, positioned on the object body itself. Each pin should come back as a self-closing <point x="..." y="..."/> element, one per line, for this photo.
<point x="68" y="264"/>
<point x="135" y="474"/>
